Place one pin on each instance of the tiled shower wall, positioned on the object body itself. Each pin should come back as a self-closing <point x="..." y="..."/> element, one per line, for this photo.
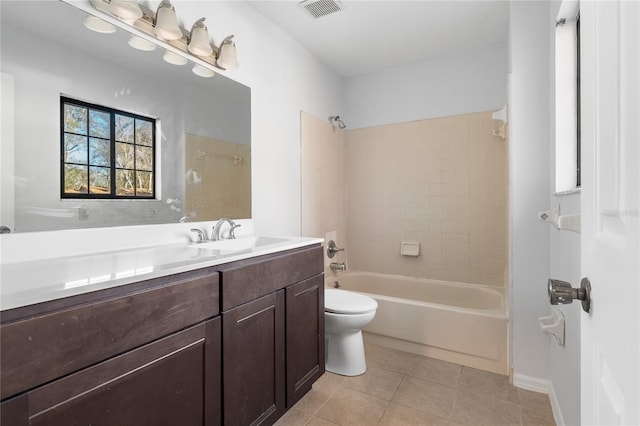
<point x="441" y="182"/>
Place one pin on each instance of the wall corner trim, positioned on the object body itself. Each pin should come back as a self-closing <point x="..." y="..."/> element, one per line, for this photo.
<point x="544" y="386"/>
<point x="555" y="406"/>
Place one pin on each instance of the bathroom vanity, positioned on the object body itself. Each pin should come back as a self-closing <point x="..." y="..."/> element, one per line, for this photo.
<point x="234" y="341"/>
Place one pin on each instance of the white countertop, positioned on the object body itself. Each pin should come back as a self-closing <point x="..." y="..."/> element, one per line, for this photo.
<point x="27" y="283"/>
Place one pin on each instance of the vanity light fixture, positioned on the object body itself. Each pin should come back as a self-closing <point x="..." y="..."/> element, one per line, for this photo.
<point x="227" y="57"/>
<point x="127" y="10"/>
<point x="98" y="25"/>
<point x="199" y="43"/>
<point x="166" y="24"/>
<point x="163" y="25"/>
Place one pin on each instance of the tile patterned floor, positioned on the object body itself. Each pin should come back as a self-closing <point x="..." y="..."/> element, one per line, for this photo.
<point x="402" y="389"/>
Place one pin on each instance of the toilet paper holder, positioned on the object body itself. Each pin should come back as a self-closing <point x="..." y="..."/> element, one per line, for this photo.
<point x="567" y="222"/>
<point x="553" y="325"/>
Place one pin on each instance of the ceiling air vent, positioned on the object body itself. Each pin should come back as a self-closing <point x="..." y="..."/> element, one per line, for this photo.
<point x="319" y="8"/>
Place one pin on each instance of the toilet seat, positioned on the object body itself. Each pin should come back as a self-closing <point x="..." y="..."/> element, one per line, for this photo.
<point x="347" y="302"/>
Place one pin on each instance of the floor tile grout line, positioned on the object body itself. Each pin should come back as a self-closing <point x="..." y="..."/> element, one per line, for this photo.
<point x="398" y="388"/>
<point x="383" y="413"/>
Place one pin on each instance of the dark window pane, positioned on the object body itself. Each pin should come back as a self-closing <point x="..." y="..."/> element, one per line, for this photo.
<point x="144" y="133"/>
<point x="144" y="158"/>
<point x="144" y="184"/>
<point x="75" y="119"/>
<point x="99" y="124"/>
<point x="99" y="152"/>
<point x="99" y="180"/>
<point x="75" y="179"/>
<point x="124" y="156"/>
<point x="125" y="182"/>
<point x="75" y="149"/>
<point x="106" y="152"/>
<point x="124" y="128"/>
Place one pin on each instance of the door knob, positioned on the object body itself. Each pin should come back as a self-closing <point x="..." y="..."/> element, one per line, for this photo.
<point x="561" y="292"/>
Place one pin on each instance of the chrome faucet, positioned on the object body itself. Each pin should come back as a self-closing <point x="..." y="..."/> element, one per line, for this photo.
<point x="216" y="234"/>
<point x="200" y="236"/>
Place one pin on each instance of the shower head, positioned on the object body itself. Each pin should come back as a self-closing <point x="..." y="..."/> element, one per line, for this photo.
<point x="336" y="121"/>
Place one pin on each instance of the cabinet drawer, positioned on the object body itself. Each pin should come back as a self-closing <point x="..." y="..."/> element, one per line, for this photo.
<point x="171" y="381"/>
<point x="43" y="348"/>
<point x="249" y="282"/>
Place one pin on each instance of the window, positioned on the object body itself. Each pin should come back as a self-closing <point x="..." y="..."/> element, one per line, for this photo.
<point x="567" y="102"/>
<point x="105" y="153"/>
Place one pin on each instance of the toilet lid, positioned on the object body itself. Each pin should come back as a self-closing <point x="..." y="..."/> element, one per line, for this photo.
<point x="347" y="302"/>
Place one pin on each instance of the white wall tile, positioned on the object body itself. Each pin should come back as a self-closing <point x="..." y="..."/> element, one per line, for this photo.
<point x="442" y="185"/>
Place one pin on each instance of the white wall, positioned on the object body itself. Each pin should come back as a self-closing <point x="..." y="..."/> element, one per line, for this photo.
<point x="564" y="361"/>
<point x="538" y="250"/>
<point x="454" y="84"/>
<point x="529" y="133"/>
<point x="564" y="264"/>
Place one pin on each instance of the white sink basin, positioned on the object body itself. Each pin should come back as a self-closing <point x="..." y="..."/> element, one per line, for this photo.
<point x="238" y="244"/>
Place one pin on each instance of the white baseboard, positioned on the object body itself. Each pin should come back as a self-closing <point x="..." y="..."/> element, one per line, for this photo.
<point x="531" y="383"/>
<point x="543" y="386"/>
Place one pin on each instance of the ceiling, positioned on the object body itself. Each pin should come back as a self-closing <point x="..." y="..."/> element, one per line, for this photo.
<point x="368" y="36"/>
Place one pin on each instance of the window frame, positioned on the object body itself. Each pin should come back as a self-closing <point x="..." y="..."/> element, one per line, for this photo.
<point x="65" y="100"/>
<point x="578" y="106"/>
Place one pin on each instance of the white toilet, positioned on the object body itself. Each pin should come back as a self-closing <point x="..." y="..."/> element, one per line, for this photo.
<point x="345" y="313"/>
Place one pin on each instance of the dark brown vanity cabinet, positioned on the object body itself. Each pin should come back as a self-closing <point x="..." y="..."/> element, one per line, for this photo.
<point x="272" y="335"/>
<point x="158" y="352"/>
<point x="150" y="357"/>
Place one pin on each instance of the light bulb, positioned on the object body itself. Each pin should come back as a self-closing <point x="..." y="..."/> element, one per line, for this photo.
<point x="98" y="25"/>
<point x="202" y="71"/>
<point x="174" y="58"/>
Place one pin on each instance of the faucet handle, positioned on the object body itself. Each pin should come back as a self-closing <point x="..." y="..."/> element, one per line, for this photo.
<point x="200" y="237"/>
<point x="332" y="249"/>
<point x="232" y="231"/>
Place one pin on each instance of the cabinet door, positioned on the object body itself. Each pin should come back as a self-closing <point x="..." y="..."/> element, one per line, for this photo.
<point x="68" y="340"/>
<point x="253" y="359"/>
<point x="305" y="336"/>
<point x="173" y="381"/>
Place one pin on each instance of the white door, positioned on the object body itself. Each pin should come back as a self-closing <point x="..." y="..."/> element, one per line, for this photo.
<point x="610" y="207"/>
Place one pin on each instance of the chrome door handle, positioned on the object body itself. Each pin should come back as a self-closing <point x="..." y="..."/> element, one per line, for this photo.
<point x="561" y="292"/>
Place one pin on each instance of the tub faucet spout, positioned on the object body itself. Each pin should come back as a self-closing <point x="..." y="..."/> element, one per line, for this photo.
<point x="338" y="266"/>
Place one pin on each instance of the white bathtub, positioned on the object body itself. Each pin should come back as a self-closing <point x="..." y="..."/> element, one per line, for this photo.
<point x="455" y="322"/>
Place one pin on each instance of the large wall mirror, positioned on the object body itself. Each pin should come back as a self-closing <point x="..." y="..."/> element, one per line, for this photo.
<point x="203" y="130"/>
